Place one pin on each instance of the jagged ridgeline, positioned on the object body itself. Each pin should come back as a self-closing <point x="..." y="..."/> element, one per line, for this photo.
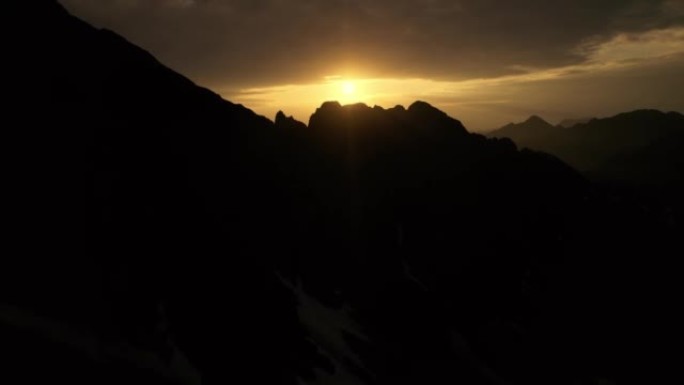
<point x="161" y="234"/>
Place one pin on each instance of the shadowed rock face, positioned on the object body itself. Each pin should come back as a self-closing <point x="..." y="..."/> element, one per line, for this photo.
<point x="167" y="235"/>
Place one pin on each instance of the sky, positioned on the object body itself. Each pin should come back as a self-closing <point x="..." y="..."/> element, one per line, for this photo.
<point x="484" y="62"/>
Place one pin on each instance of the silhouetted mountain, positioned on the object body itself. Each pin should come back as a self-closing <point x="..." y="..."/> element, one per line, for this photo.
<point x="640" y="147"/>
<point x="533" y="127"/>
<point x="144" y="203"/>
<point x="164" y="235"/>
<point x="287" y="122"/>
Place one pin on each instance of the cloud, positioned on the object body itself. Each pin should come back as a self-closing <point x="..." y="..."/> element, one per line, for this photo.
<point x="261" y="42"/>
<point x="630" y="47"/>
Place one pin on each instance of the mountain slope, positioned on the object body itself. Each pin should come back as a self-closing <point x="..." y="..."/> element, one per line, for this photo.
<point x="143" y="197"/>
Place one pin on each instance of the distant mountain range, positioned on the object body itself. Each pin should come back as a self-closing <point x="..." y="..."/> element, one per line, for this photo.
<point x="639" y="147"/>
<point x="160" y="234"/>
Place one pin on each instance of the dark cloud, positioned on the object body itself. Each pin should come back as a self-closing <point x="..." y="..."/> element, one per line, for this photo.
<point x="263" y="42"/>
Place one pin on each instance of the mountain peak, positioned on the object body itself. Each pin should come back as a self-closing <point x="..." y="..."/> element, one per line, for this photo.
<point x="534" y="122"/>
<point x="420" y="105"/>
<point x="423" y="112"/>
<point x="330" y="105"/>
<point x="534" y="125"/>
<point x="535" y="119"/>
<point x="365" y="118"/>
<point x="287" y="122"/>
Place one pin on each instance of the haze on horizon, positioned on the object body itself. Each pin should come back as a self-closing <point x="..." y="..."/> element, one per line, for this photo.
<point x="485" y="62"/>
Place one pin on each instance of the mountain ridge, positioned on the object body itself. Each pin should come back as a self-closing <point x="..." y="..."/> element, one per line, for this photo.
<point x="376" y="246"/>
<point x="635" y="147"/>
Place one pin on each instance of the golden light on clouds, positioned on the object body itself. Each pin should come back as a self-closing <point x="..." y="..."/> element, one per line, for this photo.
<point x="482" y="64"/>
<point x="629" y="47"/>
<point x="479" y="98"/>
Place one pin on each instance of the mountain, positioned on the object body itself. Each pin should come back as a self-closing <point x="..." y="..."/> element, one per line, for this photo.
<point x="138" y="200"/>
<point x="640" y="147"/>
<point x="532" y="123"/>
<point x="285" y="122"/>
<point x="160" y="234"/>
<point x="528" y="130"/>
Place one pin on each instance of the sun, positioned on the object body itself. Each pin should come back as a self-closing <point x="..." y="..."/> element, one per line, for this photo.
<point x="348" y="88"/>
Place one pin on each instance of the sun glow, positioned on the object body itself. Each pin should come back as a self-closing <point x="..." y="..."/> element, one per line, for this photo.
<point x="348" y="88"/>
<point x="488" y="102"/>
